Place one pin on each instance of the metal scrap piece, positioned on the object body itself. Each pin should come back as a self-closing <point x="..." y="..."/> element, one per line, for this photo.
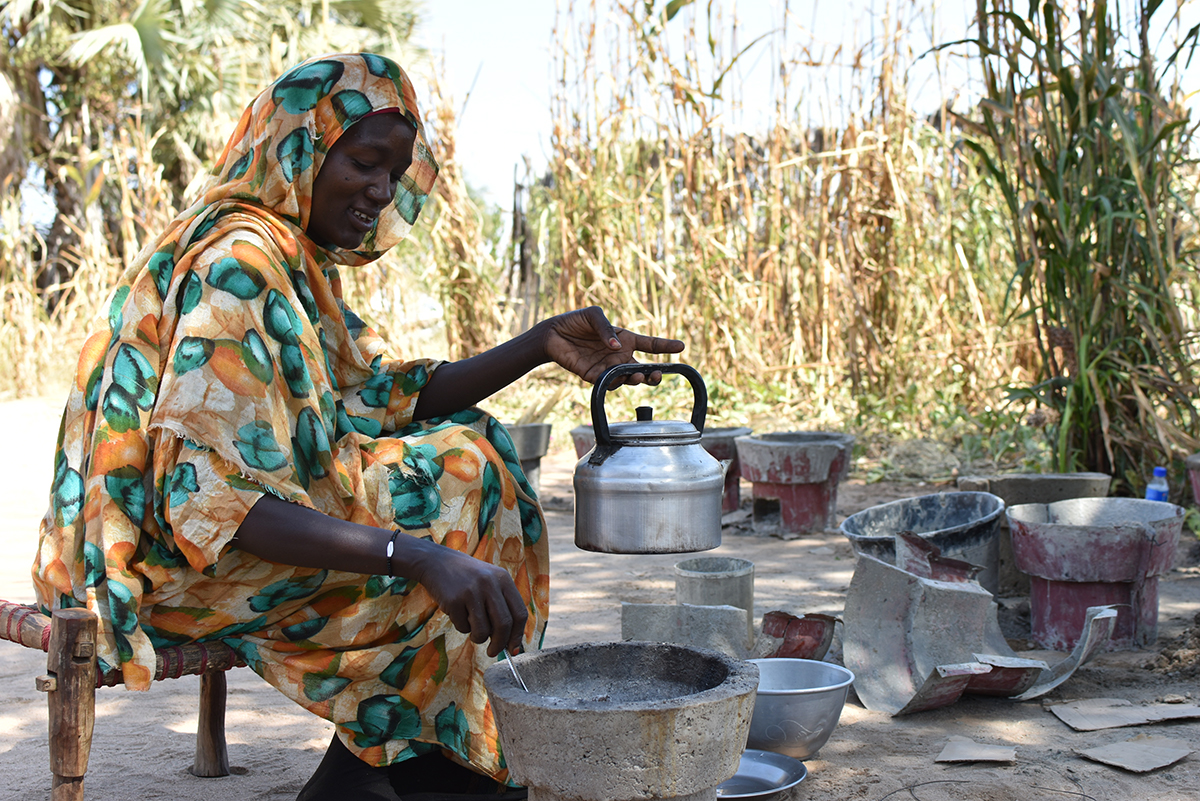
<point x="786" y="635"/>
<point x="1009" y="675"/>
<point x="943" y="686"/>
<point x="917" y="642"/>
<point x="921" y="557"/>
<point x="900" y="628"/>
<point x="1098" y="625"/>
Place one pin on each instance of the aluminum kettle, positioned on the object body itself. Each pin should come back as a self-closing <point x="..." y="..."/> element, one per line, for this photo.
<point x="648" y="486"/>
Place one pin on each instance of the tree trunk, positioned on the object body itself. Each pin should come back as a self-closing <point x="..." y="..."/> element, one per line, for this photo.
<point x="528" y="281"/>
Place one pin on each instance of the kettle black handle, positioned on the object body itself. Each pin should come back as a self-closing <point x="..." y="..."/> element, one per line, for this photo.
<point x="699" y="393"/>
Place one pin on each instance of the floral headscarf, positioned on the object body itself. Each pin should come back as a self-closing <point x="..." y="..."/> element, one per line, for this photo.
<point x="280" y="143"/>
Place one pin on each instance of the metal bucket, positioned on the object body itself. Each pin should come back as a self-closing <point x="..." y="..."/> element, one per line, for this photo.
<point x="532" y="441"/>
<point x="962" y="525"/>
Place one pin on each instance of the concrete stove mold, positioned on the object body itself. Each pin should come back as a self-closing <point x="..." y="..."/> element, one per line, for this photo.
<point x="1095" y="551"/>
<point x="794" y="477"/>
<point x="623" y="720"/>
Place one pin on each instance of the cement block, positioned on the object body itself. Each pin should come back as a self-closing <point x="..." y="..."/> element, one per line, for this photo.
<point x="721" y="628"/>
<point x="717" y="581"/>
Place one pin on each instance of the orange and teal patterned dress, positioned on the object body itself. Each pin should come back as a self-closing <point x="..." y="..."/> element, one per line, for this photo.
<point x="226" y="366"/>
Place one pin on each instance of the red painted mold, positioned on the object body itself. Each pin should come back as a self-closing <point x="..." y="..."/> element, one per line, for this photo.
<point x="720" y="443"/>
<point x="801" y="471"/>
<point x="1094" y="552"/>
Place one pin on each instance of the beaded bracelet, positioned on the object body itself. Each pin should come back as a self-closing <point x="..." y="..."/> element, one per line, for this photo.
<point x="391" y="549"/>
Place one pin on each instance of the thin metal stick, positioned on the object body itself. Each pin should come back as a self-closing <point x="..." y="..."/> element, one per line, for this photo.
<point x="513" y="668"/>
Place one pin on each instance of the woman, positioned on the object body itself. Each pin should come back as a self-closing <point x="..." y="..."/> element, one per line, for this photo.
<point x="238" y="462"/>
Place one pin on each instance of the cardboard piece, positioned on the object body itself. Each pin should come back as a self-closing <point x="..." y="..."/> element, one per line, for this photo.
<point x="1142" y="754"/>
<point x="964" y="749"/>
<point x="1092" y="714"/>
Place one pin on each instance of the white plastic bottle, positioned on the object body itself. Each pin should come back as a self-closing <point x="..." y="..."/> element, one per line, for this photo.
<point x="1158" y="488"/>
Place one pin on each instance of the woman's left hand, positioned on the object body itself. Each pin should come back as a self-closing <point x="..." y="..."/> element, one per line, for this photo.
<point x="587" y="344"/>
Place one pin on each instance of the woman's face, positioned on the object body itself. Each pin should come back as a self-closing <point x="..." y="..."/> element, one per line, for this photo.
<point x="358" y="179"/>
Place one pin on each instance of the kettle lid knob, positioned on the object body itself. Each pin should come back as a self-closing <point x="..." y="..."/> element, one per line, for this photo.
<point x="644" y="413"/>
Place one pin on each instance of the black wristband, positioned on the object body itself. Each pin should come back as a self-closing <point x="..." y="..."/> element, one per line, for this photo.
<point x="391" y="550"/>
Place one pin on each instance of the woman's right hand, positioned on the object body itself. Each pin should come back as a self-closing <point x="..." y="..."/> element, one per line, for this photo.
<point x="479" y="598"/>
<point x="586" y="343"/>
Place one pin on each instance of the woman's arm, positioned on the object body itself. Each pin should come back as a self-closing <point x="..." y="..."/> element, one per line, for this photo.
<point x="480" y="598"/>
<point x="582" y="341"/>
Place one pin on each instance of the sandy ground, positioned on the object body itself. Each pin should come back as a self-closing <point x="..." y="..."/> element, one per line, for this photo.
<point x="143" y="743"/>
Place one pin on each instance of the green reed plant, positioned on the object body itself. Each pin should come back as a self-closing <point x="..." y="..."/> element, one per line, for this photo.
<point x="1090" y="146"/>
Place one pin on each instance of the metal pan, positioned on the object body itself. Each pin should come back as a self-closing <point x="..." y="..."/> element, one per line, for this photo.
<point x="762" y="773"/>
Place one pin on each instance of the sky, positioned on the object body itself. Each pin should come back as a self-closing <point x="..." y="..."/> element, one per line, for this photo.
<point x="497" y="64"/>
<point x="497" y="67"/>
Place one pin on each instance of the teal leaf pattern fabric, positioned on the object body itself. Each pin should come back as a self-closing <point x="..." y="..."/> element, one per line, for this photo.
<point x="286" y="590"/>
<point x="161" y="266"/>
<point x="377" y="390"/>
<point x="93" y="565"/>
<point x="190" y="292"/>
<point x="257" y="357"/>
<point x="453" y="730"/>
<point x="351" y="106"/>
<point x="66" y="493"/>
<point x="385" y="717"/>
<point x="125" y="485"/>
<point x="302" y="88"/>
<point x="193" y="353"/>
<point x="238" y="279"/>
<point x="182" y="484"/>
<point x="295" y="154"/>
<point x="256" y="443"/>
<point x="280" y="320"/>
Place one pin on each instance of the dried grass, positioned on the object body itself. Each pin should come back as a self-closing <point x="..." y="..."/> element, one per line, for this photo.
<point x="813" y="267"/>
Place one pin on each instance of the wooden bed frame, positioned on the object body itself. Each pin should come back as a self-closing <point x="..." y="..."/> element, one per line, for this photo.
<point x="69" y="640"/>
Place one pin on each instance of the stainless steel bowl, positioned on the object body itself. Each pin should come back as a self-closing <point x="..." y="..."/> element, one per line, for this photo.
<point x="798" y="705"/>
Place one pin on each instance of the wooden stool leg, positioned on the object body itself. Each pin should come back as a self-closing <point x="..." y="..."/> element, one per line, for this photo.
<point x="212" y="757"/>
<point x="71" y="697"/>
